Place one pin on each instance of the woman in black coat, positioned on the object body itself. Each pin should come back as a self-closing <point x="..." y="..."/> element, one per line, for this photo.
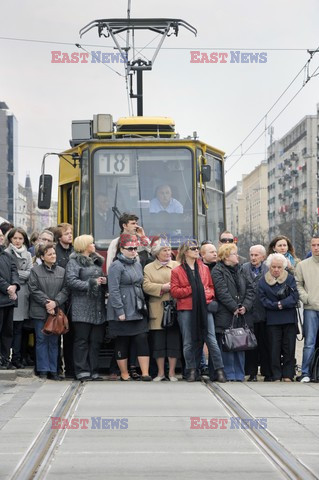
<point x="235" y="295"/>
<point x="278" y="293"/>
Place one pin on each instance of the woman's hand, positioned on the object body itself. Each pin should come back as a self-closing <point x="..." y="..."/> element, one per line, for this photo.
<point x="166" y="287"/>
<point x="12" y="291"/>
<point x="101" y="280"/>
<point x="122" y="317"/>
<point x="242" y="310"/>
<point x="50" y="305"/>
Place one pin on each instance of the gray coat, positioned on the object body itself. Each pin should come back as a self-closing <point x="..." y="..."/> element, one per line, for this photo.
<point x="46" y="284"/>
<point x="125" y="278"/>
<point x="23" y="262"/>
<point x="87" y="297"/>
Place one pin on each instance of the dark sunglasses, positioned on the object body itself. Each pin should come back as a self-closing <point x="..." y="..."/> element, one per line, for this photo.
<point x="226" y="240"/>
<point x="130" y="249"/>
<point x="193" y="248"/>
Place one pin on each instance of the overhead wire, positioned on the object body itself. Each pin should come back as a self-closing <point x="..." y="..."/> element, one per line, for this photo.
<point x="78" y="45"/>
<point x="305" y="66"/>
<point x="271" y="123"/>
<point x="270" y="109"/>
<point x="153" y="48"/>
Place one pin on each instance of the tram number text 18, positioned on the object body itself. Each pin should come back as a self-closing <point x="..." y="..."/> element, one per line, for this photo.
<point x="114" y="164"/>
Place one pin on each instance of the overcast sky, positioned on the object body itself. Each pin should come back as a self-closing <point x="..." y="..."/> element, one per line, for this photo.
<point x="221" y="101"/>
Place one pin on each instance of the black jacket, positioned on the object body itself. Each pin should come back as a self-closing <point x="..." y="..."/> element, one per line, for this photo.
<point x="8" y="276"/>
<point x="230" y="294"/>
<point x="258" y="313"/>
<point x="62" y="255"/>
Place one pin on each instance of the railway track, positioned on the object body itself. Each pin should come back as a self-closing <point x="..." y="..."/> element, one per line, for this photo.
<point x="283" y="460"/>
<point x="36" y="462"/>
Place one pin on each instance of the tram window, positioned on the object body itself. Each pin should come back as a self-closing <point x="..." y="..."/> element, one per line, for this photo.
<point x="85" y="194"/>
<point x="153" y="183"/>
<point x="215" y="213"/>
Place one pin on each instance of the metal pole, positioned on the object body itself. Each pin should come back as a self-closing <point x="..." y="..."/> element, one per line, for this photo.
<point x="139" y="93"/>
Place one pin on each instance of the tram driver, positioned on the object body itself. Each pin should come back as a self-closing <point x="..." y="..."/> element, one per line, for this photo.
<point x="164" y="202"/>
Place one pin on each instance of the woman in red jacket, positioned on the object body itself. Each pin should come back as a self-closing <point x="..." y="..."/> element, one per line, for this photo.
<point x="192" y="285"/>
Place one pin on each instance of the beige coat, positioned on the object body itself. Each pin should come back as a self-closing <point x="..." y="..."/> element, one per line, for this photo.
<point x="307" y="279"/>
<point x="155" y="275"/>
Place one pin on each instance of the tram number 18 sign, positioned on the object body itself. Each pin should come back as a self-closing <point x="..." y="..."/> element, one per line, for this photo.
<point x="114" y="164"/>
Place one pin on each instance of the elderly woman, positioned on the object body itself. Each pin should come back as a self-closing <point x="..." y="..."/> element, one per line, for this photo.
<point x="86" y="281"/>
<point x="278" y="293"/>
<point x="47" y="292"/>
<point x="126" y="308"/>
<point x="282" y="244"/>
<point x="17" y="249"/>
<point x="157" y="284"/>
<point x="192" y="285"/>
<point x="235" y="295"/>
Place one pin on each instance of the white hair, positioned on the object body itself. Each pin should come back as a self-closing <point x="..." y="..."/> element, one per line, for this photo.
<point x="276" y="256"/>
<point x="261" y="248"/>
<point x="158" y="246"/>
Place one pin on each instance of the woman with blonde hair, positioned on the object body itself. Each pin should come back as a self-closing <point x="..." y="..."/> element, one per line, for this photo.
<point x="86" y="281"/>
<point x="157" y="284"/>
<point x="192" y="285"/>
<point x="235" y="295"/>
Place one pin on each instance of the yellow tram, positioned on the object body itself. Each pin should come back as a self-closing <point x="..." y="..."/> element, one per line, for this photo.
<point x="139" y="165"/>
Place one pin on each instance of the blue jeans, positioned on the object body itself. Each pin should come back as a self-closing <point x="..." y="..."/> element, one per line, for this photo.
<point x="234" y="365"/>
<point x="46" y="349"/>
<point x="310" y="330"/>
<point x="193" y="349"/>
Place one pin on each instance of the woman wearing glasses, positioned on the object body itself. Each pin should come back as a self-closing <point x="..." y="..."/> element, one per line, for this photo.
<point x="86" y="281"/>
<point x="235" y="295"/>
<point x="126" y="308"/>
<point x="192" y="285"/>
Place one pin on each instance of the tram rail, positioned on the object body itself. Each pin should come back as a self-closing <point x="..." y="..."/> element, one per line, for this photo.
<point x="36" y="462"/>
<point x="291" y="467"/>
<point x="38" y="457"/>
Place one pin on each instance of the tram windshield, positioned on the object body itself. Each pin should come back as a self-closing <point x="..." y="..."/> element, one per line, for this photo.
<point x="154" y="183"/>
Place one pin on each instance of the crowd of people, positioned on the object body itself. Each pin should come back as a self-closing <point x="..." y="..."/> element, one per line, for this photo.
<point x="211" y="287"/>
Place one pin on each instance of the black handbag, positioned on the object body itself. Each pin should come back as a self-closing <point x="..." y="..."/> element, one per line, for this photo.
<point x="238" y="339"/>
<point x="283" y="292"/>
<point x="169" y="314"/>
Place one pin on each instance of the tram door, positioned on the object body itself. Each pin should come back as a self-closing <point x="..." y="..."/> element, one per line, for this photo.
<point x="69" y="206"/>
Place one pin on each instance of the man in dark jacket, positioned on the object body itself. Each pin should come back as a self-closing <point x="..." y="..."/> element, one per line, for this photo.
<point x="64" y="248"/>
<point x="9" y="284"/>
<point x="254" y="270"/>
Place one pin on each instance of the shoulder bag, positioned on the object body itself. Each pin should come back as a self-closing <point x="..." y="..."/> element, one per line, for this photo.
<point x="57" y="324"/>
<point x="238" y="339"/>
<point x="169" y="314"/>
